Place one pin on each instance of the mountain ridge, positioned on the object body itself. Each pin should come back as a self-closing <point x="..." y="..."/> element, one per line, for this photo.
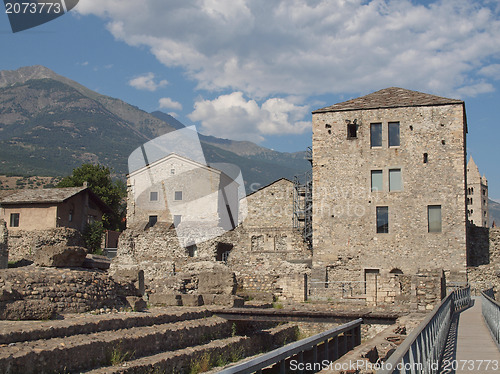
<point x="50" y="124"/>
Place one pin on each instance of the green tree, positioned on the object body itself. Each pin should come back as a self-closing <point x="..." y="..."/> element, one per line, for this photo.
<point x="111" y="192"/>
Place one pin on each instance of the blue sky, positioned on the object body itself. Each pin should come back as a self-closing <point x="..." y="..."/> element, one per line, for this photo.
<point x="255" y="69"/>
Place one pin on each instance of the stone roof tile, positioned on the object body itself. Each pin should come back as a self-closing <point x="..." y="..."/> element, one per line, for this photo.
<point x="41" y="195"/>
<point x="392" y="97"/>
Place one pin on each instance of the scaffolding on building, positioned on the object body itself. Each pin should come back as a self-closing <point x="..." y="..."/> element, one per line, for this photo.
<point x="302" y="202"/>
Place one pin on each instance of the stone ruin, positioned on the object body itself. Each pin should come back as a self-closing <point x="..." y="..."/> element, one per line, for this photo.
<point x="4" y="249"/>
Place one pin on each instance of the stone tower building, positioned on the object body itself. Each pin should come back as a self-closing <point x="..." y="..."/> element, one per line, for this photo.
<point x="477" y="196"/>
<point x="389" y="186"/>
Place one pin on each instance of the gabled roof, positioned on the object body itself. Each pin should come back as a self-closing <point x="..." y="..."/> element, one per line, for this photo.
<point x="177" y="157"/>
<point x="48" y="196"/>
<point x="392" y="97"/>
<point x="269" y="185"/>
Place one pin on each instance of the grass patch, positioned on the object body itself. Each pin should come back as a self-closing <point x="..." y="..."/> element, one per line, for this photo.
<point x="117" y="356"/>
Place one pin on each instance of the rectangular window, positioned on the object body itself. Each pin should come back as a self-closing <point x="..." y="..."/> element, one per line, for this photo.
<point x="395" y="180"/>
<point x="394" y="134"/>
<point x="376" y="135"/>
<point x="177" y="220"/>
<point x="377" y="181"/>
<point x="153" y="196"/>
<point x="152" y="221"/>
<point x="14" y="220"/>
<point x="382" y="219"/>
<point x="178" y="195"/>
<point x="352" y="131"/>
<point x="484" y="192"/>
<point x="434" y="218"/>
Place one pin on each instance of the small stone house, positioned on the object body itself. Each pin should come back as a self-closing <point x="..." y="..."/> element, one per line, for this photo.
<point x="44" y="209"/>
<point x="175" y="190"/>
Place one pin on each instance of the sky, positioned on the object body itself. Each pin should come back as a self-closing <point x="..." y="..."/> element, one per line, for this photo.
<point x="255" y="69"/>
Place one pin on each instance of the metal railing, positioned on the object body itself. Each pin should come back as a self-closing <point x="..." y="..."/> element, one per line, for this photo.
<point x="421" y="351"/>
<point x="329" y="339"/>
<point x="491" y="314"/>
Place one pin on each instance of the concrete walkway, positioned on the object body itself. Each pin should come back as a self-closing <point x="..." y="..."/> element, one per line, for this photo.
<point x="475" y="347"/>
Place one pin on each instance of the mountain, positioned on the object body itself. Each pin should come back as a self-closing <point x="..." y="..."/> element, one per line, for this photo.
<point x="50" y="124"/>
<point x="494" y="211"/>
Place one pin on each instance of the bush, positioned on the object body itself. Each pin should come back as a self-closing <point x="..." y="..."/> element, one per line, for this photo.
<point x="92" y="236"/>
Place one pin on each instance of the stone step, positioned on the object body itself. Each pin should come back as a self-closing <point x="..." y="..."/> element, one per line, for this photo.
<point x="19" y="331"/>
<point x="86" y="351"/>
<point x="220" y="352"/>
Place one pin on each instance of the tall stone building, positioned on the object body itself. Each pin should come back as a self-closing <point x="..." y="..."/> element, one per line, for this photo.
<point x="389" y="187"/>
<point x="477" y="196"/>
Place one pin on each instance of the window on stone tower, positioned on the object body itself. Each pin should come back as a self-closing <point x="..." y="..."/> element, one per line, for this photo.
<point x="153" y="196"/>
<point x="434" y="218"/>
<point x="395" y="180"/>
<point x="352" y="130"/>
<point x="377" y="180"/>
<point x="484" y="192"/>
<point x="376" y="135"/>
<point x="394" y="134"/>
<point x="178" y="195"/>
<point x="14" y="220"/>
<point x="382" y="219"/>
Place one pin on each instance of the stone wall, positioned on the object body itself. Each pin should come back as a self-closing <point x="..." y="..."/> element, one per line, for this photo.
<point x="24" y="244"/>
<point x="4" y="249"/>
<point x="421" y="291"/>
<point x="265" y="252"/>
<point x="431" y="158"/>
<point x="37" y="293"/>
<point x="484" y="272"/>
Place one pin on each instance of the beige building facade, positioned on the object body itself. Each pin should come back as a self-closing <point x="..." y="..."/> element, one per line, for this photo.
<point x="389" y="187"/>
<point x="44" y="209"/>
<point x="176" y="190"/>
<point x="477" y="196"/>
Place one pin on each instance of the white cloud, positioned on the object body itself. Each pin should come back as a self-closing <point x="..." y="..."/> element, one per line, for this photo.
<point x="168" y="103"/>
<point x="147" y="82"/>
<point x="308" y="47"/>
<point x="233" y="116"/>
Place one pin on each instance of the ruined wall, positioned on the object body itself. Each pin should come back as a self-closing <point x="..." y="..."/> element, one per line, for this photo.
<point x="4" y="249"/>
<point x="265" y="251"/>
<point x="485" y="273"/>
<point x="431" y="157"/>
<point x="33" y="292"/>
<point x="24" y="244"/>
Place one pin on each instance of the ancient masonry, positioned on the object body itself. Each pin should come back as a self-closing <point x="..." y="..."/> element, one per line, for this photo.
<point x="4" y="249"/>
<point x="389" y="189"/>
<point x="477" y="196"/>
<point x="265" y="253"/>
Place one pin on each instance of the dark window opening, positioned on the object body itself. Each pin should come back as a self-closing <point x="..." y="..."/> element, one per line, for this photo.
<point x="327" y="126"/>
<point x="152" y="221"/>
<point x="394" y="140"/>
<point x="223" y="251"/>
<point x="192" y="250"/>
<point x="178" y="195"/>
<point x="443" y="142"/>
<point x="376" y="135"/>
<point x="14" y="220"/>
<point x="484" y="192"/>
<point x="426" y="158"/>
<point x="70" y="216"/>
<point x="153" y="196"/>
<point x="382" y="219"/>
<point x="352" y="130"/>
<point x="396" y="271"/>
